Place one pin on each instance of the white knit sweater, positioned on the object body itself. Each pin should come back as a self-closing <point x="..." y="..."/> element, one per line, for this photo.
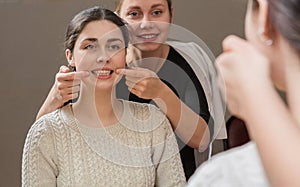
<point x="59" y="151"/>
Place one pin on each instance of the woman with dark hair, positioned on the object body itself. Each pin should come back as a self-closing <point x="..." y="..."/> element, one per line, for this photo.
<point x="252" y="70"/>
<point x="101" y="140"/>
<point x="180" y="80"/>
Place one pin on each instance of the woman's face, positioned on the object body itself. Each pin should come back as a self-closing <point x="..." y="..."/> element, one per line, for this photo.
<point x="149" y="22"/>
<point x="99" y="49"/>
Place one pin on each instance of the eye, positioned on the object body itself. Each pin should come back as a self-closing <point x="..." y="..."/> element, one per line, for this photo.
<point x="156" y="12"/>
<point x="114" y="47"/>
<point x="134" y="14"/>
<point x="90" y="47"/>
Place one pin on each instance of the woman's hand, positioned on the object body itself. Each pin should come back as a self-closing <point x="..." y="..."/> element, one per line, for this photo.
<point x="133" y="56"/>
<point x="244" y="72"/>
<point x="142" y="82"/>
<point x="65" y="88"/>
<point x="67" y="84"/>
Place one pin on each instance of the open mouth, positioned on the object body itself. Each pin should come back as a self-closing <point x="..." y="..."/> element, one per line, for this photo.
<point x="102" y="73"/>
<point x="150" y="37"/>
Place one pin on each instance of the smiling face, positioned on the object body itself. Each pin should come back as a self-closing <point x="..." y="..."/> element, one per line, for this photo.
<point x="149" y="22"/>
<point x="99" y="49"/>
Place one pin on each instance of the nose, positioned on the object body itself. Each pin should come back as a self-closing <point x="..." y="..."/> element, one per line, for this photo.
<point x="103" y="58"/>
<point x="146" y="22"/>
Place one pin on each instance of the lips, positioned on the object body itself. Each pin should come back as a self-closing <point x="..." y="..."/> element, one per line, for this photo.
<point x="103" y="73"/>
<point x="148" y="37"/>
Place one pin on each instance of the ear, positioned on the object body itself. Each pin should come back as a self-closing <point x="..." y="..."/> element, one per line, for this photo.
<point x="69" y="57"/>
<point x="264" y="26"/>
<point x="172" y="15"/>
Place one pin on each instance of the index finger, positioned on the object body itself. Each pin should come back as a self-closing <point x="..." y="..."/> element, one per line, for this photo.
<point x="129" y="72"/>
<point x="70" y="76"/>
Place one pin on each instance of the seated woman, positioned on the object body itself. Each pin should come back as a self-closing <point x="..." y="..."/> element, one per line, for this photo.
<point x="101" y="140"/>
<point x="252" y="69"/>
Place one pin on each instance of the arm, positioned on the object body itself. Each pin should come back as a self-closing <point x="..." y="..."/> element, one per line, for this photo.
<point x="189" y="126"/>
<point x="277" y="137"/>
<point x="65" y="88"/>
<point x="38" y="162"/>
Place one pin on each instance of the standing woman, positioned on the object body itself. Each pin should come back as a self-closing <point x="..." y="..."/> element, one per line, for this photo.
<point x="252" y="70"/>
<point x="185" y="97"/>
<point x="101" y="140"/>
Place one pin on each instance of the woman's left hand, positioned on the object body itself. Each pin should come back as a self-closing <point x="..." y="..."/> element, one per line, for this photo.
<point x="142" y="82"/>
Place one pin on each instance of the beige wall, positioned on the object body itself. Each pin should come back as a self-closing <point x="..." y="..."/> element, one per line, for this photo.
<point x="31" y="37"/>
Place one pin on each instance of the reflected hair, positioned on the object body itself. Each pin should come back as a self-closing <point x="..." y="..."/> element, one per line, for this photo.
<point x="86" y="16"/>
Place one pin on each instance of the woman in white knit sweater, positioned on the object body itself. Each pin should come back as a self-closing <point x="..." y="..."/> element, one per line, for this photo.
<point x="100" y="140"/>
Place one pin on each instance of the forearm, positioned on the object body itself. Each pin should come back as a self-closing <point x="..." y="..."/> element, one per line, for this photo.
<point x="276" y="135"/>
<point x="50" y="104"/>
<point x="189" y="126"/>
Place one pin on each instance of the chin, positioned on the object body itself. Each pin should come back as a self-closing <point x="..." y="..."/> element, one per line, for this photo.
<point x="148" y="47"/>
<point x="100" y="87"/>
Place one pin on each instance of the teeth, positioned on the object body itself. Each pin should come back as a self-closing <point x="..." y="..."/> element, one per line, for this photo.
<point x="148" y="36"/>
<point x="102" y="72"/>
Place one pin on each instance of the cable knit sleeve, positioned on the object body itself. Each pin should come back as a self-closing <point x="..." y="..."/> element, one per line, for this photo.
<point x="169" y="170"/>
<point x="38" y="161"/>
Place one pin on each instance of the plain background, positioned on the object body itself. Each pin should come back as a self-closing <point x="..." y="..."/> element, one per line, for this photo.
<point x="31" y="51"/>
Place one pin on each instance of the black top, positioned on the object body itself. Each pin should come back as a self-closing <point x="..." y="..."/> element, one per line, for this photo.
<point x="179" y="76"/>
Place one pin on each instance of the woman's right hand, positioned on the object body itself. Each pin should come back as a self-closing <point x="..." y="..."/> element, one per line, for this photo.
<point x="65" y="88"/>
<point x="244" y="73"/>
<point x="67" y="84"/>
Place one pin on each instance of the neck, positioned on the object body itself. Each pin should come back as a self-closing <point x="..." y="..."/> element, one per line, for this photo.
<point x="161" y="53"/>
<point x="153" y="60"/>
<point x="97" y="108"/>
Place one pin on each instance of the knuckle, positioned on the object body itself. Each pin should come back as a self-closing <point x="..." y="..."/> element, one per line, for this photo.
<point x="60" y="86"/>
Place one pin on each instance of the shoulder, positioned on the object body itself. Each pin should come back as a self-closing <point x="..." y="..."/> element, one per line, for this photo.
<point x="185" y="46"/>
<point x="41" y="127"/>
<point x="39" y="140"/>
<point x="231" y="167"/>
<point x="45" y="125"/>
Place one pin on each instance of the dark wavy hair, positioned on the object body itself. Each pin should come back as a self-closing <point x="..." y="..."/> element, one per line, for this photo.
<point x="86" y="16"/>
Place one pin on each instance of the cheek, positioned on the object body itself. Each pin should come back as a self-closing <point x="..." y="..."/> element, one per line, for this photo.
<point x="119" y="60"/>
<point x="84" y="61"/>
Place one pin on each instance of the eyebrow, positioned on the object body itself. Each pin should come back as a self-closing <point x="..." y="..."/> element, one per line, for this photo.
<point x="114" y="39"/>
<point x="90" y="39"/>
<point x="157" y="5"/>
<point x="95" y="39"/>
<point x="138" y="7"/>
